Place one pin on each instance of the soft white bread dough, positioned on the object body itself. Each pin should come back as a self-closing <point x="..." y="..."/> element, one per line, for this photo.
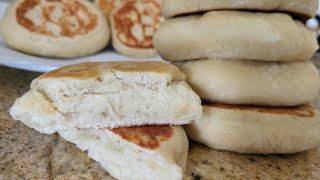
<point x="62" y="29"/>
<point x="263" y="130"/>
<point x="123" y="94"/>
<point x="147" y="152"/>
<point x="235" y="34"/>
<point x="133" y="24"/>
<point x="306" y="8"/>
<point x="253" y="82"/>
<point x="124" y="159"/>
<point x="34" y="110"/>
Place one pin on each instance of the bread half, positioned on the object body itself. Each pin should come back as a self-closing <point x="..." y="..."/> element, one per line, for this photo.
<point x="98" y="95"/>
<point x="133" y="24"/>
<point x="262" y="130"/>
<point x="305" y="8"/>
<point x="244" y="82"/>
<point x="62" y="29"/>
<point x="235" y="35"/>
<point x="147" y="152"/>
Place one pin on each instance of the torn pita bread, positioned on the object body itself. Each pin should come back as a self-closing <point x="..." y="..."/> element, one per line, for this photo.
<point x="123" y="94"/>
<point x="146" y="152"/>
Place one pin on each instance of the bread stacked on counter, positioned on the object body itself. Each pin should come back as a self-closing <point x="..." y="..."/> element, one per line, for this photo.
<point x="127" y="116"/>
<point x="252" y="70"/>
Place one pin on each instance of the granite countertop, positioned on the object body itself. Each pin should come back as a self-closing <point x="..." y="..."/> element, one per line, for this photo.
<point x="27" y="154"/>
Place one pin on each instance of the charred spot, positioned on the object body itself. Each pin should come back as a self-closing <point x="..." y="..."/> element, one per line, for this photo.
<point x="145" y="136"/>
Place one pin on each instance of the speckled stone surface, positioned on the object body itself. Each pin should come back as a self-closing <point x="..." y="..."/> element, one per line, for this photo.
<point x="27" y="154"/>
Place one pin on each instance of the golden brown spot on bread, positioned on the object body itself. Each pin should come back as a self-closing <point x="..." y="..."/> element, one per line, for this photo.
<point x="106" y="6"/>
<point x="158" y="67"/>
<point x="129" y="15"/>
<point x="149" y="137"/>
<point x="300" y="111"/>
<point x="94" y="69"/>
<point x="70" y="8"/>
<point x="99" y="79"/>
<point x="79" y="71"/>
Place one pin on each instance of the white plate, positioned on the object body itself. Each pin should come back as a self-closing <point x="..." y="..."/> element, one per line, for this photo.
<point x="15" y="59"/>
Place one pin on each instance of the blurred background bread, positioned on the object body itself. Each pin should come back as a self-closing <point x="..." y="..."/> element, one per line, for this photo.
<point x="133" y="23"/>
<point x="61" y="29"/>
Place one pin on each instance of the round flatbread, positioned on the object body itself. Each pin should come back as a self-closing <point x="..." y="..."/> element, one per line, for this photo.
<point x="305" y="8"/>
<point x="60" y="28"/>
<point x="133" y="24"/>
<point x="262" y="130"/>
<point x="235" y="34"/>
<point x="253" y="82"/>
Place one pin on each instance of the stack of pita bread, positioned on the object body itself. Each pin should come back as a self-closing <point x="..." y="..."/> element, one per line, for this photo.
<point x="249" y="61"/>
<point x="127" y="116"/>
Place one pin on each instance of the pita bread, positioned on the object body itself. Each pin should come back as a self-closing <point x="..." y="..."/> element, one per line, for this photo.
<point x="253" y="82"/>
<point x="133" y="24"/>
<point x="306" y="8"/>
<point x="62" y="29"/>
<point x="123" y="94"/>
<point x="263" y="130"/>
<point x="225" y="34"/>
<point x="147" y="152"/>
